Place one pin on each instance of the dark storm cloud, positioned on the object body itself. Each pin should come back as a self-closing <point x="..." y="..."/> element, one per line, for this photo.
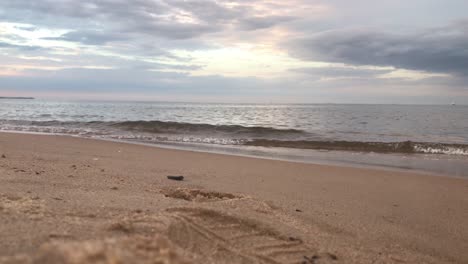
<point x="443" y="50"/>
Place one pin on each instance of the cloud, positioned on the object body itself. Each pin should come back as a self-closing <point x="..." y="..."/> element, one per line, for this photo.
<point x="173" y="19"/>
<point x="83" y="9"/>
<point x="254" y="23"/>
<point x="90" y="37"/>
<point x="443" y="50"/>
<point x="107" y="84"/>
<point x="173" y="30"/>
<point x="341" y="72"/>
<point x="148" y="83"/>
<point x="97" y="21"/>
<point x="208" y="11"/>
<point x="27" y="28"/>
<point x="6" y="45"/>
<point x="194" y="45"/>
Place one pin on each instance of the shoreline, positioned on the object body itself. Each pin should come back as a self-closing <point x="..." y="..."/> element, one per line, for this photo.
<point x="246" y="154"/>
<point x="318" y="157"/>
<point x="68" y="193"/>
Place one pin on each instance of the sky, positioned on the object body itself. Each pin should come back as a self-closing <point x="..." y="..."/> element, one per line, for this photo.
<point x="240" y="51"/>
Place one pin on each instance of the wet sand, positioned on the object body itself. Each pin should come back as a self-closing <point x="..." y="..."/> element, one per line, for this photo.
<point x="72" y="200"/>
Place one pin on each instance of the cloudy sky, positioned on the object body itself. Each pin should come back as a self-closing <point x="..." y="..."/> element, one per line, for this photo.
<point x="293" y="51"/>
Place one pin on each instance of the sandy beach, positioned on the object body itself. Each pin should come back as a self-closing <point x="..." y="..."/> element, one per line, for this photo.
<point x="73" y="200"/>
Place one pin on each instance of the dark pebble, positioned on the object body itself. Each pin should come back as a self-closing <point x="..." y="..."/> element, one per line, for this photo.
<point x="310" y="260"/>
<point x="332" y="256"/>
<point x="176" y="178"/>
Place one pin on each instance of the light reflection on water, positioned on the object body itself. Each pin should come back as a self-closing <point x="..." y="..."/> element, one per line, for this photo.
<point x="447" y="124"/>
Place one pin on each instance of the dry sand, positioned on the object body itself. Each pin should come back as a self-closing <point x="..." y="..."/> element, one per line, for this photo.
<point x="71" y="200"/>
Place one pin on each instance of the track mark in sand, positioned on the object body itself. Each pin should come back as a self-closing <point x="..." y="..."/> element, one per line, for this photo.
<point x="140" y="223"/>
<point x="222" y="238"/>
<point x="33" y="207"/>
<point x="197" y="195"/>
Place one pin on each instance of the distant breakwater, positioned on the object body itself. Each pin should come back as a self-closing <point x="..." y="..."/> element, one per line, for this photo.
<point x="17" y="98"/>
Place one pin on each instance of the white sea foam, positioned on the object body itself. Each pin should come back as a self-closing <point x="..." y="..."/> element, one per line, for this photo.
<point x="441" y="150"/>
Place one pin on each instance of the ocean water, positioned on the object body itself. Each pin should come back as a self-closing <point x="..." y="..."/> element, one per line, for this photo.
<point x="390" y="134"/>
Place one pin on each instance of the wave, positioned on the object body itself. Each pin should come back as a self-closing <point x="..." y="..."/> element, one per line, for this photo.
<point x="166" y="127"/>
<point x="178" y="127"/>
<point x="408" y="147"/>
<point x="161" y="131"/>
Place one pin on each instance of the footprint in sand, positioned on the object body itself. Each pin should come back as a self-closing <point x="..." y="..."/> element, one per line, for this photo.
<point x="221" y="238"/>
<point x="204" y="235"/>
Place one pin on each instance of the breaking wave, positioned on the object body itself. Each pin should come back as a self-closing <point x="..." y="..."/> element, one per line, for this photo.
<point x="176" y="127"/>
<point x="162" y="127"/>
<point x="381" y="147"/>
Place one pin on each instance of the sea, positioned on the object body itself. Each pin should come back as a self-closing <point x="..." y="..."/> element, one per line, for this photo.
<point x="426" y="138"/>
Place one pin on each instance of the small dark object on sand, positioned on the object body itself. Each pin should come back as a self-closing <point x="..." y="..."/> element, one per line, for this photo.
<point x="332" y="256"/>
<point x="311" y="260"/>
<point x="299" y="210"/>
<point x="294" y="239"/>
<point x="3" y="156"/>
<point x="176" y="178"/>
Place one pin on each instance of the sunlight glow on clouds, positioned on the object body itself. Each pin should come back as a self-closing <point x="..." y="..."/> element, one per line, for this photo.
<point x="313" y="51"/>
<point x="412" y="75"/>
